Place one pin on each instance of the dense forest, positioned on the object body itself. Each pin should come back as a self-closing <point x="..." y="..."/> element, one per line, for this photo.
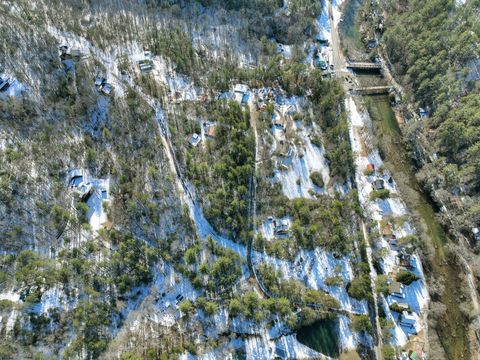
<point x="434" y="47"/>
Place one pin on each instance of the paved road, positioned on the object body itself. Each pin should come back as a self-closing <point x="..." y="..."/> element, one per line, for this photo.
<point x="340" y="73"/>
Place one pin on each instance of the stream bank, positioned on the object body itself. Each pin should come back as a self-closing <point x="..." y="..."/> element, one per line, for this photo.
<point x="447" y="323"/>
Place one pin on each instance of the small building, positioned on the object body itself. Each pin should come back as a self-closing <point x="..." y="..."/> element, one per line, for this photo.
<point x="396" y="289"/>
<point x="76" y="53"/>
<point x="370" y="168"/>
<point x="409" y="320"/>
<point x="75" y="177"/>
<point x="102" y="85"/>
<point x="194" y="140"/>
<point x="240" y="88"/>
<point x="379" y="184"/>
<point x="423" y="113"/>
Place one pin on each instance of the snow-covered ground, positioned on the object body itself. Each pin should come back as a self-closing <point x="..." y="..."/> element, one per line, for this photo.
<point x="96" y="215"/>
<point x="415" y="294"/>
<point x="337" y="14"/>
<point x="305" y="160"/>
<point x="10" y="296"/>
<point x="323" y="24"/>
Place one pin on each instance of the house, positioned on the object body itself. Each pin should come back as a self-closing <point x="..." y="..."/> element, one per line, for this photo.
<point x="278" y="121"/>
<point x="281" y="227"/>
<point x="194" y="139"/>
<point x="84" y="190"/>
<point x="396" y="289"/>
<point x="379" y="184"/>
<point x="75" y="177"/>
<point x="99" y="81"/>
<point x="240" y="92"/>
<point x="145" y="65"/>
<point x="210" y="129"/>
<point x="409" y="320"/>
<point x="102" y="85"/>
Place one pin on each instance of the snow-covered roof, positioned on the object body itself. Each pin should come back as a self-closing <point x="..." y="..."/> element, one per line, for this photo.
<point x="241" y="88"/>
<point x="195" y="139"/>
